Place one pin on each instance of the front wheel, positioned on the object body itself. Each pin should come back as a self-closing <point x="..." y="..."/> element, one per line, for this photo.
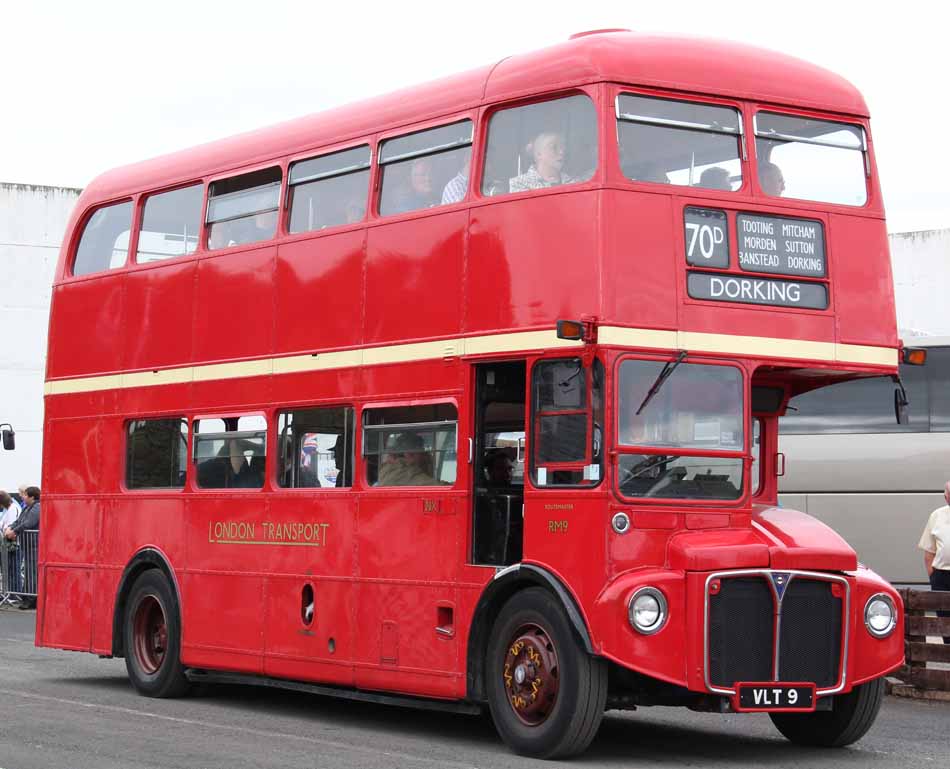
<point x="152" y="633"/>
<point x="848" y="721"/>
<point x="545" y="693"/>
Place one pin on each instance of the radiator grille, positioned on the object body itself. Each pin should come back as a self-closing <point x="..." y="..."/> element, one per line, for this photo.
<point x="741" y="631"/>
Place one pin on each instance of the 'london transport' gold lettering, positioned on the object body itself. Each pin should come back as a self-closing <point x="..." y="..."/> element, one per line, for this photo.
<point x="301" y="533"/>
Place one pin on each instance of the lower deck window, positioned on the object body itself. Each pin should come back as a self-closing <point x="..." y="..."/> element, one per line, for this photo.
<point x="230" y="451"/>
<point x="156" y="453"/>
<point x="410" y="445"/>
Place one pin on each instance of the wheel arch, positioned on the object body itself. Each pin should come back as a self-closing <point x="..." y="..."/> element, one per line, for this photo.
<point x="144" y="560"/>
<point x="505" y="584"/>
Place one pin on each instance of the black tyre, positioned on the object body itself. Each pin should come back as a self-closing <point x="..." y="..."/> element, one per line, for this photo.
<point x="152" y="634"/>
<point x="848" y="721"/>
<point x="545" y="693"/>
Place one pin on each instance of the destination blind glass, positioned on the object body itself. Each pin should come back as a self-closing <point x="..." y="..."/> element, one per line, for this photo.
<point x="749" y="290"/>
<point x="781" y="246"/>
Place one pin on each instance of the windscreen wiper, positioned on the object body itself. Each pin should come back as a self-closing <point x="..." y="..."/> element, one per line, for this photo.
<point x="668" y="369"/>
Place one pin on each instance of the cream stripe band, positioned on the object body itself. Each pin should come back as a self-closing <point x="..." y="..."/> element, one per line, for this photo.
<point x="613" y="336"/>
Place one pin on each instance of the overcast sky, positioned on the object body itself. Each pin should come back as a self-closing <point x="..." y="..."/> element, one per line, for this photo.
<point x="91" y="85"/>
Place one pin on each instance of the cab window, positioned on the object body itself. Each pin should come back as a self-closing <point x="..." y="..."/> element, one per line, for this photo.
<point x="567" y="416"/>
<point x="667" y="410"/>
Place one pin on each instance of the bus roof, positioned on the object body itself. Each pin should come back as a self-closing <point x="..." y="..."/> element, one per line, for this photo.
<point x="690" y="65"/>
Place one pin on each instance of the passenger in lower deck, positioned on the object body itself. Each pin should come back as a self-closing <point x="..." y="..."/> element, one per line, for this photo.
<point x="407" y="463"/>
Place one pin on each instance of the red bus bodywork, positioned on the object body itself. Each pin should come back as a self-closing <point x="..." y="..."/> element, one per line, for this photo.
<point x="253" y="329"/>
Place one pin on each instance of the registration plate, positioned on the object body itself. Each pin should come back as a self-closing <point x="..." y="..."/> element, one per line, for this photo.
<point x="775" y="696"/>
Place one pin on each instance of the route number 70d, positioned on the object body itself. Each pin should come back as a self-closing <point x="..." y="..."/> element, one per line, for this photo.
<point x="706" y="236"/>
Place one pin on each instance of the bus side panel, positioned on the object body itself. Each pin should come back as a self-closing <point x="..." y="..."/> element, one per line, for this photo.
<point x="70" y="529"/>
<point x="223" y="584"/>
<point x="320" y="293"/>
<point x="863" y="280"/>
<point x="67" y="608"/>
<point x="156" y="336"/>
<point x="234" y="305"/>
<point x="408" y="545"/>
<point x="76" y="461"/>
<point x="511" y="281"/>
<point x="322" y="557"/>
<point x="567" y="534"/>
<point x="88" y="326"/>
<point x="414" y="278"/>
<point x="640" y="260"/>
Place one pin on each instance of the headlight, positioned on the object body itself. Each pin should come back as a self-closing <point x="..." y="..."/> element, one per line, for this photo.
<point x="880" y="615"/>
<point x="647" y="610"/>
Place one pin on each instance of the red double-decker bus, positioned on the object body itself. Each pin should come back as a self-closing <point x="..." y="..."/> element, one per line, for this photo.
<point x="467" y="396"/>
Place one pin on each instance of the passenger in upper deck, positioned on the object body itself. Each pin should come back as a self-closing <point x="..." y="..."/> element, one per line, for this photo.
<point x="457" y="186"/>
<point x="715" y="178"/>
<point x="547" y="153"/>
<point x="771" y="179"/>
<point x="417" y="191"/>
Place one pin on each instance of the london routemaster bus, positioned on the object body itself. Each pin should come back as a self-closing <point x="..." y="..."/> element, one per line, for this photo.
<point x="467" y="397"/>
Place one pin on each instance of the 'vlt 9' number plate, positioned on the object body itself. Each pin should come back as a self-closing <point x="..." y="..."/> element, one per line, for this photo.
<point x="775" y="696"/>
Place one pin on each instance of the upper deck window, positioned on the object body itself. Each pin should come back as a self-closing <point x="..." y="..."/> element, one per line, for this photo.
<point x="425" y="169"/>
<point x="541" y="145"/>
<point x="170" y="224"/>
<point x="680" y="410"/>
<point x="329" y="190"/>
<point x="243" y="209"/>
<point x="800" y="157"/>
<point x="679" y="142"/>
<point x="104" y="244"/>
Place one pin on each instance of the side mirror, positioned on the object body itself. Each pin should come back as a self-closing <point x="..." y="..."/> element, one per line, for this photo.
<point x="900" y="406"/>
<point x="9" y="437"/>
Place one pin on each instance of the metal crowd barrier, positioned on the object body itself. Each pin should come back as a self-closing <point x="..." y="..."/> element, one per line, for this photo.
<point x="18" y="561"/>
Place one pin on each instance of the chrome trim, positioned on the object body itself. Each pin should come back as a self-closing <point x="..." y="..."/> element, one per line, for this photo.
<point x="329" y="174"/>
<point x="805" y="140"/>
<point x="816" y="575"/>
<point x="632" y="118"/>
<point x="890" y="628"/>
<point x="625" y="519"/>
<point x="666" y="122"/>
<point x="664" y="609"/>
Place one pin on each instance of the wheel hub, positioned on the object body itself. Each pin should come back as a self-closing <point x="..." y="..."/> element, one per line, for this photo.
<point x="531" y="674"/>
<point x="150" y="635"/>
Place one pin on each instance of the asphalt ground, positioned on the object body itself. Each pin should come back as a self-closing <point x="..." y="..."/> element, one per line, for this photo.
<point x="62" y="709"/>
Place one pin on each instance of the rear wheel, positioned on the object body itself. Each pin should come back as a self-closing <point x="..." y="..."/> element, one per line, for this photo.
<point x="546" y="694"/>
<point x="851" y="716"/>
<point x="152" y="634"/>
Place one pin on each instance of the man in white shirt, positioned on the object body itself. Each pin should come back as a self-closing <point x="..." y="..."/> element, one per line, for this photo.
<point x="935" y="542"/>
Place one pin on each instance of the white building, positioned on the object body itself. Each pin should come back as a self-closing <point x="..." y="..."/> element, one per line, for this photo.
<point x="32" y="223"/>
<point x="921" y="265"/>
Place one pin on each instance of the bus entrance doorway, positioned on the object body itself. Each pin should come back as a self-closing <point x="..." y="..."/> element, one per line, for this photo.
<point x="498" y="492"/>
